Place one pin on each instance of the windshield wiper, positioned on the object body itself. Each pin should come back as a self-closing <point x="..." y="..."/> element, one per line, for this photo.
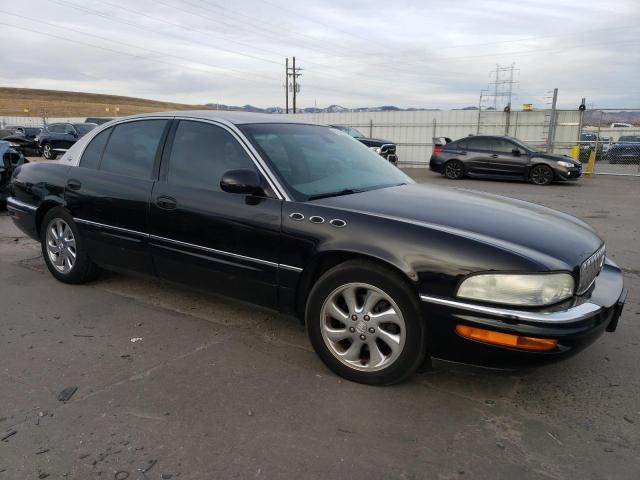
<point x="347" y="191"/>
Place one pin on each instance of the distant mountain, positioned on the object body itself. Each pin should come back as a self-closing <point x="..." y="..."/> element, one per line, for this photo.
<point x="329" y="109"/>
<point x="595" y="118"/>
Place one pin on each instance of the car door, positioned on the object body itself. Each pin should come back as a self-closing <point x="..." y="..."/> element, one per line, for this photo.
<point x="68" y="138"/>
<point x="205" y="237"/>
<point x="477" y="158"/>
<point x="56" y="135"/>
<point x="108" y="194"/>
<point x="505" y="161"/>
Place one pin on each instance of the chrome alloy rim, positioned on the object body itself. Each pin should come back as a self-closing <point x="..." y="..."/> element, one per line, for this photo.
<point x="541" y="175"/>
<point x="362" y="327"/>
<point x="61" y="245"/>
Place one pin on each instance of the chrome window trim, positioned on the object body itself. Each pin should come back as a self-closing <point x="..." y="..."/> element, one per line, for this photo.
<point x="574" y="314"/>
<point x="186" y="244"/>
<point x="15" y="203"/>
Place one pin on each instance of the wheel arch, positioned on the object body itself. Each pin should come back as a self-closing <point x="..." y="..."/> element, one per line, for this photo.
<point x="325" y="260"/>
<point x="47" y="204"/>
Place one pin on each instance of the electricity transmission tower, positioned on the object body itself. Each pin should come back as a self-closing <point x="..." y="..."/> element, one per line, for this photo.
<point x="498" y="95"/>
<point x="291" y="86"/>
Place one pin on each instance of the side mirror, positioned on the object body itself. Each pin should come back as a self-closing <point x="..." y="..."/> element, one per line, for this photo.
<point x="516" y="152"/>
<point x="241" y="181"/>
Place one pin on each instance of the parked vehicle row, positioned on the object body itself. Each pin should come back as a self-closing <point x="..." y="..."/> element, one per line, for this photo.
<point x="384" y="148"/>
<point x="303" y="219"/>
<point x="52" y="140"/>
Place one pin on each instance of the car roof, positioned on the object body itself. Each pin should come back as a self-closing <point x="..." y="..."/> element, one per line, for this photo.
<point x="236" y="118"/>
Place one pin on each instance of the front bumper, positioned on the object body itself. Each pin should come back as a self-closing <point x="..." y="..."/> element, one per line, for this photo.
<point x="563" y="173"/>
<point x="575" y="327"/>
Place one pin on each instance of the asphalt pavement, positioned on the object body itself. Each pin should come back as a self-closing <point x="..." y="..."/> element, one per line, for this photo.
<point x="176" y="384"/>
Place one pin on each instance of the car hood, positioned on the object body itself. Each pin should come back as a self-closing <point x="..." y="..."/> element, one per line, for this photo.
<point x="555" y="158"/>
<point x="375" y="142"/>
<point x="553" y="239"/>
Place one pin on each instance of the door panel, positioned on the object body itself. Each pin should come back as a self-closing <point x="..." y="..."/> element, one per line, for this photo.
<point x="109" y="193"/>
<point x="204" y="237"/>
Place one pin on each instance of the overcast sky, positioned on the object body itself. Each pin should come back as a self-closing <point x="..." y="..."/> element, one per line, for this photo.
<point x="433" y="54"/>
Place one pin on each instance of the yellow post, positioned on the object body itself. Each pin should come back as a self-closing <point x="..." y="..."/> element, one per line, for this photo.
<point x="591" y="163"/>
<point x="575" y="151"/>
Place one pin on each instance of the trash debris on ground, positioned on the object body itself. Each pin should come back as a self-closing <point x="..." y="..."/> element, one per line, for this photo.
<point x="136" y="339"/>
<point x="67" y="393"/>
<point x="7" y="435"/>
<point x="152" y="464"/>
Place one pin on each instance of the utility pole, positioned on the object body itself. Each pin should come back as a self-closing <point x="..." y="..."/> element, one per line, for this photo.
<point x="294" y="86"/>
<point x="552" y="121"/>
<point x="286" y="85"/>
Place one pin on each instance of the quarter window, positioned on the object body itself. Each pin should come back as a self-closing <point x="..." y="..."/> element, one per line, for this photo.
<point x="202" y="153"/>
<point x="132" y="148"/>
<point x="93" y="151"/>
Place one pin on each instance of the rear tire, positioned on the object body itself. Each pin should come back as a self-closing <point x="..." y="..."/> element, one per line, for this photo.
<point x="541" y="175"/>
<point x="365" y="323"/>
<point x="48" y="152"/>
<point x="454" y="170"/>
<point x="63" y="248"/>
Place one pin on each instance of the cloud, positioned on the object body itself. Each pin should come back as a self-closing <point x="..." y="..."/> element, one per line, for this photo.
<point x="356" y="53"/>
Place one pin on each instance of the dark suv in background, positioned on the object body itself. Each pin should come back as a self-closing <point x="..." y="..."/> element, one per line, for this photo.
<point x="385" y="148"/>
<point x="501" y="157"/>
<point x="57" y="138"/>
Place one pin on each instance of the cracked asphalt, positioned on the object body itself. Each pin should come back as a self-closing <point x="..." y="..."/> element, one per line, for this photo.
<point x="176" y="384"/>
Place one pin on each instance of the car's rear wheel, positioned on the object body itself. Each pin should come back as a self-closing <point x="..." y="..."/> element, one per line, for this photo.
<point x="63" y="249"/>
<point x="454" y="169"/>
<point x="541" y="175"/>
<point x="364" y="322"/>
<point x="48" y="152"/>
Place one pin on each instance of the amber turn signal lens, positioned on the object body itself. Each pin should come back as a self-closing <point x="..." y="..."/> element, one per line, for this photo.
<point x="506" y="339"/>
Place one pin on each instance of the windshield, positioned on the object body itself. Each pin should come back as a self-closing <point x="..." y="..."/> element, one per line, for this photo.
<point x="320" y="161"/>
<point x="349" y="131"/>
<point x="84" y="128"/>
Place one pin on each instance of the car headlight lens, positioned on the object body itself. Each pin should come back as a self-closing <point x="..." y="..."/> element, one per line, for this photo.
<point x="565" y="164"/>
<point x="375" y="149"/>
<point x="532" y="290"/>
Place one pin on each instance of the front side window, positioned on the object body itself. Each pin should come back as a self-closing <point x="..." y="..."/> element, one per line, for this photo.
<point x="56" y="128"/>
<point x="93" y="151"/>
<point x="132" y="147"/>
<point x="84" y="128"/>
<point x="320" y="161"/>
<point x="503" y="146"/>
<point x="201" y="153"/>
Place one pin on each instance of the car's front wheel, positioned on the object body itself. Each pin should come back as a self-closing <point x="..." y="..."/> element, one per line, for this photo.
<point x="63" y="249"/>
<point x="48" y="152"/>
<point x="541" y="175"/>
<point x="364" y="322"/>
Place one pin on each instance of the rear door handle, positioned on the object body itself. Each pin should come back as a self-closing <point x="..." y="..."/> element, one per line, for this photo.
<point x="462" y="153"/>
<point x="74" y="184"/>
<point x="166" y="203"/>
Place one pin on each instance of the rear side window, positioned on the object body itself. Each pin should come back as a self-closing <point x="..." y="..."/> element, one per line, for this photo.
<point x="480" y="143"/>
<point x="201" y="153"/>
<point x="93" y="152"/>
<point x="132" y="148"/>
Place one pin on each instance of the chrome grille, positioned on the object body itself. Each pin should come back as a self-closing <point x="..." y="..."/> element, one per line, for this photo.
<point x="590" y="269"/>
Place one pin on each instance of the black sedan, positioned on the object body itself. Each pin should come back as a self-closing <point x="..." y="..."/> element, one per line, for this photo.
<point x="303" y="219"/>
<point x="503" y="158"/>
<point x="625" y="150"/>
<point x="10" y="159"/>
<point x="57" y="138"/>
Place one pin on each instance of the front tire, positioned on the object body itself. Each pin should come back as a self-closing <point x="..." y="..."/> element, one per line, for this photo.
<point x="454" y="170"/>
<point x="541" y="175"/>
<point x="63" y="249"/>
<point x="48" y="152"/>
<point x="365" y="323"/>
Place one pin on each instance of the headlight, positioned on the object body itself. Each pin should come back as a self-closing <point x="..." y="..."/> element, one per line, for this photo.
<point x="565" y="164"/>
<point x="532" y="290"/>
<point x="375" y="149"/>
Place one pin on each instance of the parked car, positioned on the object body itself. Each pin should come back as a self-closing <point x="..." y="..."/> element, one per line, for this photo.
<point x="24" y="139"/>
<point x="501" y="157"/>
<point x="11" y="159"/>
<point x="625" y="150"/>
<point x="57" y="138"/>
<point x="97" y="120"/>
<point x="590" y="141"/>
<point x="301" y="219"/>
<point x="384" y="148"/>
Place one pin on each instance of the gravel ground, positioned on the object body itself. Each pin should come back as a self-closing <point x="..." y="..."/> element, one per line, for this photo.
<point x="176" y="384"/>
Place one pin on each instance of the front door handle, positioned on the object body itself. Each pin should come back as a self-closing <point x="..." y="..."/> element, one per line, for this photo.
<point x="74" y="184"/>
<point x="166" y="203"/>
<point x="494" y="156"/>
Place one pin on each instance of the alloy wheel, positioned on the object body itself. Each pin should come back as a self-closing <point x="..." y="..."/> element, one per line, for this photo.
<point x="362" y="327"/>
<point x="61" y="245"/>
<point x="453" y="169"/>
<point x="541" y="175"/>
